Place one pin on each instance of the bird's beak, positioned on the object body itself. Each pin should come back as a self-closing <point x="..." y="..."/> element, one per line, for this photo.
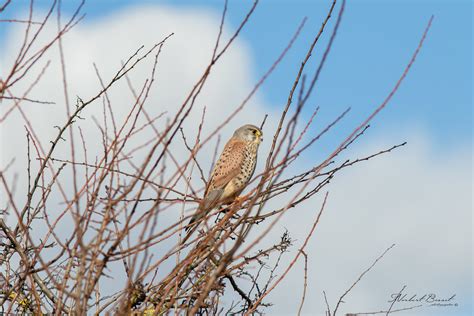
<point x="259" y="136"/>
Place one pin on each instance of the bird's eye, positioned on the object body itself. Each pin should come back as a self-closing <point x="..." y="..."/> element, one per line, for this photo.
<point x="254" y="131"/>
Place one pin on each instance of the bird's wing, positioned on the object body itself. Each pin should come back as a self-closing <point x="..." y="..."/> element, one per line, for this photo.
<point x="227" y="167"/>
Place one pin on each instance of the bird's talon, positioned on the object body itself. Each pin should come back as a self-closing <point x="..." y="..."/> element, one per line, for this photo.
<point x="241" y="199"/>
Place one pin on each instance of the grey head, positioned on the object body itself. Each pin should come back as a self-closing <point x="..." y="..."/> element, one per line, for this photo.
<point x="250" y="133"/>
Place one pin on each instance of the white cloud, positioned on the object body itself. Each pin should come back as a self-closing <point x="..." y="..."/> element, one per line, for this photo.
<point x="107" y="42"/>
<point x="414" y="197"/>
<point x="111" y="40"/>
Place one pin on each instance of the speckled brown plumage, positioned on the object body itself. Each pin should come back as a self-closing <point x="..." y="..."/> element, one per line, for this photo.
<point x="232" y="171"/>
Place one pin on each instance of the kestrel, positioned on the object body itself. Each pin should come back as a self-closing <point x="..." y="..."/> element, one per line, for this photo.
<point x="232" y="171"/>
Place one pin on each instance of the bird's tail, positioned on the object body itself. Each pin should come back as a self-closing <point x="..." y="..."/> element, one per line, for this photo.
<point x="196" y="217"/>
<point x="207" y="204"/>
<point x="193" y="223"/>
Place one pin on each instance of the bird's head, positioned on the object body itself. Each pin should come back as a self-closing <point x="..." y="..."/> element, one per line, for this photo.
<point x="249" y="133"/>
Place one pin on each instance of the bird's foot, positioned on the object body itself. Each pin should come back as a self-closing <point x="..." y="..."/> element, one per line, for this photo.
<point x="235" y="216"/>
<point x="241" y="199"/>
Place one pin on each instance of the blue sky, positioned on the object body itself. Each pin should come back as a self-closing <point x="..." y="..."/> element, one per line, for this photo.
<point x="375" y="41"/>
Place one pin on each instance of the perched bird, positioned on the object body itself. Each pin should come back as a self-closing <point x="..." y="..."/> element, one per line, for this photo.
<point x="232" y="171"/>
